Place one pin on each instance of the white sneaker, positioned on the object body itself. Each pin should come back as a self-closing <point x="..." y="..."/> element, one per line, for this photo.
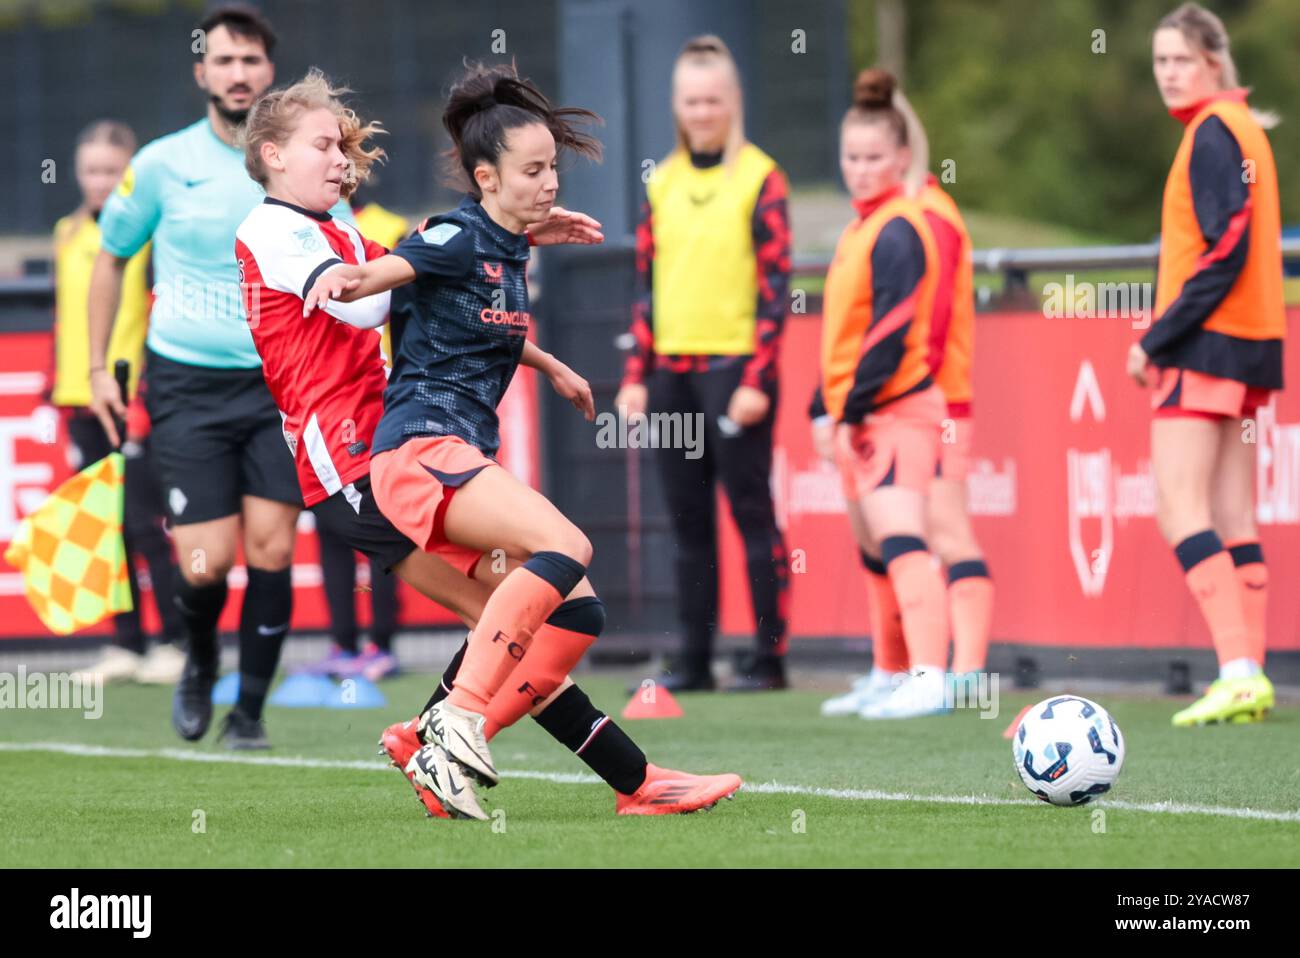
<point x="432" y="768"/>
<point x="114" y="665"/>
<point x="162" y="666"/>
<point x="460" y="732"/>
<point x="867" y="689"/>
<point x="920" y="694"/>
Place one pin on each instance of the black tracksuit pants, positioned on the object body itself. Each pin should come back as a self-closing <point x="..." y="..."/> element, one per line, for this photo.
<point x="742" y="462"/>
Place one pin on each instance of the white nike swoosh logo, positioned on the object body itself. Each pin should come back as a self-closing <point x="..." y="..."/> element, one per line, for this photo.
<point x="263" y="630"/>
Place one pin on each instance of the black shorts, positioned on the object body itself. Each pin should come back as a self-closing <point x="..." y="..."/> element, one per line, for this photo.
<point x="353" y="516"/>
<point x="216" y="437"/>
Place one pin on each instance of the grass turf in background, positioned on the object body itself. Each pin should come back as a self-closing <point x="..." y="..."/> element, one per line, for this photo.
<point x="69" y="810"/>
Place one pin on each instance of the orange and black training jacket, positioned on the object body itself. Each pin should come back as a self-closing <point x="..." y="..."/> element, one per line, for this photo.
<point x="952" y="323"/>
<point x="876" y="309"/>
<point x="1219" y="305"/>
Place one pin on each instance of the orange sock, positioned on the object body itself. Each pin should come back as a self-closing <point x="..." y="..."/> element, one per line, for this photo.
<point x="513" y="614"/>
<point x="970" y="605"/>
<point x="557" y="647"/>
<point x="921" y="600"/>
<point x="888" y="648"/>
<point x="1213" y="581"/>
<point x="1252" y="576"/>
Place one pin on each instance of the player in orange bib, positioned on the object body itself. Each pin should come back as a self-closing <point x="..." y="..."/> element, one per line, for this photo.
<point x="951" y="349"/>
<point x="876" y="384"/>
<point x="952" y="345"/>
<point x="1214" y="353"/>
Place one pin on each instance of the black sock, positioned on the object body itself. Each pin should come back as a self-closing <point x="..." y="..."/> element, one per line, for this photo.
<point x="592" y="735"/>
<point x="571" y="720"/>
<point x="448" y="678"/>
<point x="383" y="607"/>
<point x="338" y="567"/>
<point x="199" y="607"/>
<point x="263" y="625"/>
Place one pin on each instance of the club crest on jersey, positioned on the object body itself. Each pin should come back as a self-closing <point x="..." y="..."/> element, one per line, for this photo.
<point x="492" y="272"/>
<point x="309" y="240"/>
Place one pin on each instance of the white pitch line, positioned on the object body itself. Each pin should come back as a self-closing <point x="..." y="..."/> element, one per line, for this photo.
<point x="579" y="778"/>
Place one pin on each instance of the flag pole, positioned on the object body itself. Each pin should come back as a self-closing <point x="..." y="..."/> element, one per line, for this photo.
<point x="122" y="374"/>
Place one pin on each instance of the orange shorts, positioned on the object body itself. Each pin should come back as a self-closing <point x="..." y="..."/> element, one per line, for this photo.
<point x="1185" y="392"/>
<point x="413" y="485"/>
<point x="954" y="448"/>
<point x="897" y="446"/>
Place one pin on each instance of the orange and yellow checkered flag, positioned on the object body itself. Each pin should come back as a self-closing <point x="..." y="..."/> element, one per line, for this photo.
<point x="70" y="550"/>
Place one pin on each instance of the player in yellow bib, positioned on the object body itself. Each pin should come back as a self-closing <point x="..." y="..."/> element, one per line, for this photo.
<point x="713" y="268"/>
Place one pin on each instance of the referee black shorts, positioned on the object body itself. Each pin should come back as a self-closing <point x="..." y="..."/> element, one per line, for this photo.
<point x="216" y="437"/>
<point x="353" y="516"/>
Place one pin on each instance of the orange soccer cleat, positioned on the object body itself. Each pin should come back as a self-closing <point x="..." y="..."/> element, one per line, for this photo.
<point x="400" y="741"/>
<point x="665" y="792"/>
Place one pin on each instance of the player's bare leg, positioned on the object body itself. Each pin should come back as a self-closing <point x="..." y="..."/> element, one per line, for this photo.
<point x="888" y="649"/>
<point x="566" y="713"/>
<point x="896" y="518"/>
<point x="970" y="590"/>
<point x="495" y="511"/>
<point x="1187" y="455"/>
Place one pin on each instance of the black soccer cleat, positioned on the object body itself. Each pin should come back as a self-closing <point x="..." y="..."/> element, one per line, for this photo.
<point x="759" y="672"/>
<point x="192" y="701"/>
<point x="241" y="733"/>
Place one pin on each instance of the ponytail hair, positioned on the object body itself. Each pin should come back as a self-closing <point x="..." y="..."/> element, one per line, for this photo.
<point x="1205" y="32"/>
<point x="489" y="101"/>
<point x="877" y="99"/>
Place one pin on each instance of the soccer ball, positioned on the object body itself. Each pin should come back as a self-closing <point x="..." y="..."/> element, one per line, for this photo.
<point x="1067" y="750"/>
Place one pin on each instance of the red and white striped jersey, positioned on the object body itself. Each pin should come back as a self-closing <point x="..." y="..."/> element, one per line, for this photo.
<point x="326" y="371"/>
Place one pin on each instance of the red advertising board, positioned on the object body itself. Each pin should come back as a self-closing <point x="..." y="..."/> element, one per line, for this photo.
<point x="33" y="460"/>
<point x="1061" y="492"/>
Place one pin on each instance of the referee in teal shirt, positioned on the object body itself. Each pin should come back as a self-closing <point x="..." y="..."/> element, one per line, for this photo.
<point x="217" y="443"/>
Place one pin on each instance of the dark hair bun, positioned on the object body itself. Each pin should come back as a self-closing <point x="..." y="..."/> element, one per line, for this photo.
<point x="874" y="89"/>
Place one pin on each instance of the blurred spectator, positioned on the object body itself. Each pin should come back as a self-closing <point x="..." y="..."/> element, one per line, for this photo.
<point x="104" y="149"/>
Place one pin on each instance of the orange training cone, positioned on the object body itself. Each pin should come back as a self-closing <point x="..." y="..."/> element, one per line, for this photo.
<point x="652" y="701"/>
<point x="1015" y="722"/>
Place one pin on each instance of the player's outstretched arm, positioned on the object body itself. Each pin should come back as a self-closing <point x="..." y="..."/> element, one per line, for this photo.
<point x="568" y="384"/>
<point x="346" y="283"/>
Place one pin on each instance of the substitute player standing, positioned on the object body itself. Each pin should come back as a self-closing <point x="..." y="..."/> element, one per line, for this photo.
<point x="950" y="536"/>
<point x="1214" y="353"/>
<point x="713" y="271"/>
<point x="218" y="448"/>
<point x="876" y="383"/>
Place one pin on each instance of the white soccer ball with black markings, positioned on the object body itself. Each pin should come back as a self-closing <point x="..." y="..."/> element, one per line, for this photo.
<point x="1068" y="750"/>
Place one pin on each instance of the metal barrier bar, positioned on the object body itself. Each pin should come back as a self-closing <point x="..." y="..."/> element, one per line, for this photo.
<point x="1058" y="259"/>
<point x="1015" y="264"/>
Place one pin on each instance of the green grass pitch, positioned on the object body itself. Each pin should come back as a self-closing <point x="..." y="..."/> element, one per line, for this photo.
<point x="890" y="792"/>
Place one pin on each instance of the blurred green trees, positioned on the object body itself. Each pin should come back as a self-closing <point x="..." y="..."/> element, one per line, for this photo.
<point x="1049" y="111"/>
